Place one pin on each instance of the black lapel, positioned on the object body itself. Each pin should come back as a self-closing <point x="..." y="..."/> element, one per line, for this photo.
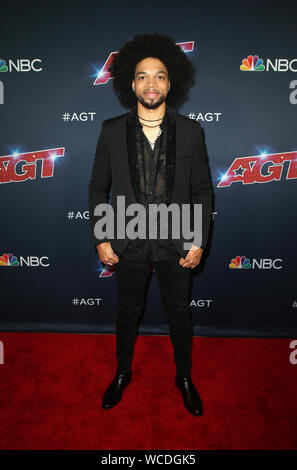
<point x="132" y="153"/>
<point x="170" y="156"/>
<point x="133" y="158"/>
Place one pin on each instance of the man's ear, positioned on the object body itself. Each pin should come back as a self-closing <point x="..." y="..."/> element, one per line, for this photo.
<point x="133" y="84"/>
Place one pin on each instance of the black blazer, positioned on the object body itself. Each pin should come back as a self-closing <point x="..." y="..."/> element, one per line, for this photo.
<point x="115" y="164"/>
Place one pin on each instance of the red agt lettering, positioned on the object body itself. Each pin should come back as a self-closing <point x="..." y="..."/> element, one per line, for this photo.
<point x="9" y="165"/>
<point x="248" y="170"/>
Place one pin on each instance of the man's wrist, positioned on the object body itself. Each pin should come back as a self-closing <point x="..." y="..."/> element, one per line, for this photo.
<point x="194" y="247"/>
<point x="103" y="241"/>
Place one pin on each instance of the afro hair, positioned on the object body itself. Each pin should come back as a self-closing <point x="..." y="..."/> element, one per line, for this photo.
<point x="181" y="70"/>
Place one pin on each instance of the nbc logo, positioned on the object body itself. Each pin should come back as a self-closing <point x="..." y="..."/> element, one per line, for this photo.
<point x="8" y="260"/>
<point x="242" y="262"/>
<point x="3" y="66"/>
<point x="20" y="65"/>
<point x="252" y="63"/>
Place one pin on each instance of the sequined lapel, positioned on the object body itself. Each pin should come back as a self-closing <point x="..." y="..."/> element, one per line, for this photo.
<point x="133" y="158"/>
<point x="170" y="156"/>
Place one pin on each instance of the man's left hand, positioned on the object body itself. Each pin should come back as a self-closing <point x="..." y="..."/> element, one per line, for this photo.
<point x="192" y="259"/>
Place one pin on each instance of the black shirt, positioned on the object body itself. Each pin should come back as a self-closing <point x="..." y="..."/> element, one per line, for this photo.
<point x="151" y="165"/>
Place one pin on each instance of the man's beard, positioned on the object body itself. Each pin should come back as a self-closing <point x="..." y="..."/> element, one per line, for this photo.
<point x="150" y="104"/>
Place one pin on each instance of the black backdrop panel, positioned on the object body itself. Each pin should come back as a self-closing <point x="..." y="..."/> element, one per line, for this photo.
<point x="51" y="56"/>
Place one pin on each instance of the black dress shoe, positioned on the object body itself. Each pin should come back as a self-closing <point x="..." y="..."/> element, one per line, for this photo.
<point x="113" y="394"/>
<point x="192" y="400"/>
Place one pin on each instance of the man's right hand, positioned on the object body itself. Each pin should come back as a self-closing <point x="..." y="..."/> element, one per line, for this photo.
<point x="106" y="254"/>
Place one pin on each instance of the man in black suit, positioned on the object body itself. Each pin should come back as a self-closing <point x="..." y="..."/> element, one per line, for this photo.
<point x="151" y="155"/>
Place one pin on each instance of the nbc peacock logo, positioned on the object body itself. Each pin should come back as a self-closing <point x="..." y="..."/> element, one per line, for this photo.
<point x="240" y="262"/>
<point x="252" y="63"/>
<point x="8" y="259"/>
<point x="3" y="66"/>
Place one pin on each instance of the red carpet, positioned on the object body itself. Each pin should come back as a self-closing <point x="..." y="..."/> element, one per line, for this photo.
<point x="52" y="386"/>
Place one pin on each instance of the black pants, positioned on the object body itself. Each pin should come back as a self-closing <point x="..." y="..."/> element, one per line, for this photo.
<point x="174" y="284"/>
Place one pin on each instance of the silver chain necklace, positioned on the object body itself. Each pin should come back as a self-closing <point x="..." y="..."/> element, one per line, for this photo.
<point x="153" y="143"/>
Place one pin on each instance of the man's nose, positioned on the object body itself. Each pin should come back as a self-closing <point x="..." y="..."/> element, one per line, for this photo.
<point x="152" y="82"/>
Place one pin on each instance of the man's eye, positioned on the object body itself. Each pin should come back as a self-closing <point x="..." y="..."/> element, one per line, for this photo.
<point x="161" y="76"/>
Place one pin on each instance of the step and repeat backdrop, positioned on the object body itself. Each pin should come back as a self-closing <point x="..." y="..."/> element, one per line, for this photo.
<point x="55" y="91"/>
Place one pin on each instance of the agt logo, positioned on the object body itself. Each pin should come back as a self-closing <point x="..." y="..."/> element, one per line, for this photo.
<point x="260" y="169"/>
<point x="20" y="65"/>
<point x="253" y="63"/>
<point x="8" y="259"/>
<point x="20" y="167"/>
<point x="241" y="262"/>
<point x="103" y="75"/>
